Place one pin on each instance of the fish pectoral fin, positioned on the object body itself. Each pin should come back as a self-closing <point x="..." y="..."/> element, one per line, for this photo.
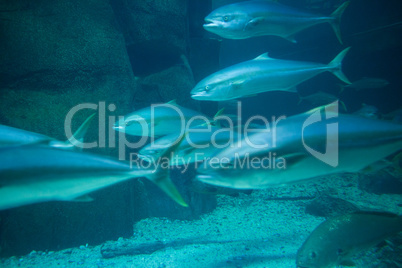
<point x="83" y="198"/>
<point x="78" y="137"/>
<point x="253" y="23"/>
<point x="172" y="102"/>
<point x="236" y="84"/>
<point x="290" y="38"/>
<point x="161" y="176"/>
<point x="347" y="263"/>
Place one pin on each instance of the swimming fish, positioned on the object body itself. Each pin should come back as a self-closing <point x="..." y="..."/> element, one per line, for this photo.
<point x="303" y="147"/>
<point x="160" y="119"/>
<point x="368" y="111"/>
<point x="367" y="83"/>
<point x="335" y="241"/>
<point x="32" y="174"/>
<point x="263" y="74"/>
<point x="14" y="136"/>
<point x="319" y="98"/>
<point x="256" y="18"/>
<point x="200" y="144"/>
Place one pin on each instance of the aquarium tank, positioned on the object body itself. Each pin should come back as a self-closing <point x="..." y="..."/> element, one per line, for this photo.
<point x="201" y="133"/>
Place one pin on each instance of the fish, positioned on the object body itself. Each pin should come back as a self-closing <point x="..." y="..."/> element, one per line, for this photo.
<point x="200" y="144"/>
<point x="301" y="148"/>
<point x="319" y="98"/>
<point x="159" y="120"/>
<point x="32" y="174"/>
<point x="15" y="136"/>
<point x="368" y="111"/>
<point x="367" y="83"/>
<point x="262" y="74"/>
<point x="257" y="18"/>
<point x="335" y="241"/>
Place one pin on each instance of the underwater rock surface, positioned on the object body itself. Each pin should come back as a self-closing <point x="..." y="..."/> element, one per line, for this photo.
<point x="58" y="54"/>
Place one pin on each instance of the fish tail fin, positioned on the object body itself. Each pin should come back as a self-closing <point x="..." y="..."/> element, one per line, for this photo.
<point x="300" y="99"/>
<point x="336" y="19"/>
<point x="161" y="175"/>
<point x="78" y="136"/>
<point x="336" y="66"/>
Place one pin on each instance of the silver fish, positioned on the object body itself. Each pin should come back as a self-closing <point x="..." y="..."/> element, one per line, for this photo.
<point x="256" y="18"/>
<point x="199" y="144"/>
<point x="159" y="120"/>
<point x="14" y="136"/>
<point x="335" y="241"/>
<point x="292" y="152"/>
<point x="32" y="174"/>
<point x="262" y="74"/>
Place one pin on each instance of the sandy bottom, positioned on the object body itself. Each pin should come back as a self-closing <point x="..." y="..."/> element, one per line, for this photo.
<point x="263" y="229"/>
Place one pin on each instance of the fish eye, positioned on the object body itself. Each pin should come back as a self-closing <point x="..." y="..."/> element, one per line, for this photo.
<point x="313" y="255"/>
<point x="130" y="122"/>
<point x="207" y="88"/>
<point x="152" y="152"/>
<point x="226" y="18"/>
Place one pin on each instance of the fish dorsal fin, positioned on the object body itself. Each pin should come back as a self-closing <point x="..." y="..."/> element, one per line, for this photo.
<point x="263" y="57"/>
<point x="330" y="109"/>
<point x="172" y="102"/>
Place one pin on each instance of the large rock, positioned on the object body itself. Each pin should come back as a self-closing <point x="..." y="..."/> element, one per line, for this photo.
<point x="58" y="54"/>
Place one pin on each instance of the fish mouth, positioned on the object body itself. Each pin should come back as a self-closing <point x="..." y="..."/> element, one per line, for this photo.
<point x="204" y="178"/>
<point x="210" y="24"/>
<point x="198" y="96"/>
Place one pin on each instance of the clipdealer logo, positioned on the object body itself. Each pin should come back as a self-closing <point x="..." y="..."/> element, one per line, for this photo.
<point x="331" y="154"/>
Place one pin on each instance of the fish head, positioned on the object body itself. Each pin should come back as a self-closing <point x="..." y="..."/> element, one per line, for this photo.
<point x="134" y="125"/>
<point x="214" y="87"/>
<point x="313" y="257"/>
<point x="151" y="153"/>
<point x="227" y="22"/>
<point x="321" y="250"/>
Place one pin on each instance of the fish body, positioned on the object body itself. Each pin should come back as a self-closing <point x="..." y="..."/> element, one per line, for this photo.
<point x="199" y="144"/>
<point x="159" y="120"/>
<point x="294" y="151"/>
<point x="15" y="136"/>
<point x="368" y="83"/>
<point x="256" y="18"/>
<point x="335" y="241"/>
<point x="33" y="173"/>
<point x="260" y="75"/>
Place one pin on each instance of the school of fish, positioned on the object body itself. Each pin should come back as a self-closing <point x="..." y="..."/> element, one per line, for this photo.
<point x="36" y="168"/>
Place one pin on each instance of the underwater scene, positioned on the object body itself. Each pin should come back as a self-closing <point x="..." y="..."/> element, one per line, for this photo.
<point x="201" y="133"/>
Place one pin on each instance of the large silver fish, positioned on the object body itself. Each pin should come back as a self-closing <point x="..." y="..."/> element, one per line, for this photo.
<point x="303" y="147"/>
<point x="14" y="136"/>
<point x="335" y="241"/>
<point x="256" y="18"/>
<point x="263" y="74"/>
<point x="33" y="173"/>
<point x="159" y="120"/>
